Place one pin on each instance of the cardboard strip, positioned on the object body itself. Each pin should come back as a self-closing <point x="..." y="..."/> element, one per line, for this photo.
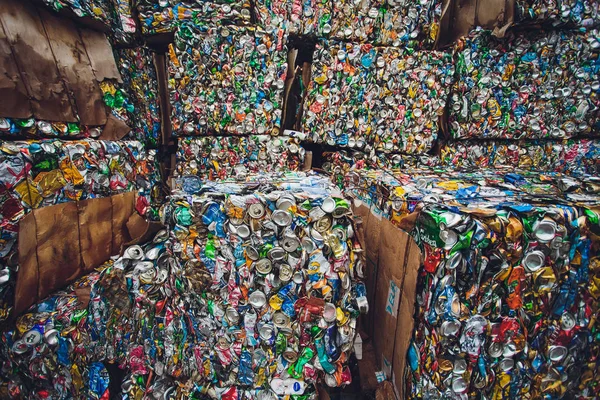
<point x="14" y="100"/>
<point x="24" y="30"/>
<point x="74" y="66"/>
<point x="389" y="284"/>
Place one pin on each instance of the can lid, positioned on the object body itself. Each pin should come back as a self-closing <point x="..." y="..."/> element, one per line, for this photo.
<point x="281" y="218"/>
<point x="280" y="320"/>
<point x="285" y="272"/>
<point x="557" y="353"/>
<point x="285" y="202"/>
<point x="545" y="230"/>
<point x="232" y="315"/>
<point x="19" y="347"/>
<point x="450" y="328"/>
<point x="290" y="355"/>
<point x="263" y="266"/>
<point x="323" y="224"/>
<point x="495" y="350"/>
<point x="266" y="331"/>
<point x="449" y="237"/>
<point x="277" y="254"/>
<point x="534" y="260"/>
<point x="328" y="205"/>
<point x="567" y="321"/>
<point x="256" y="210"/>
<point x="459" y="385"/>
<point x="460" y="366"/>
<point x="32" y="337"/>
<point x="252" y="253"/>
<point x="507" y="364"/>
<point x="257" y="299"/>
<point x="290" y="243"/>
<point x="134" y="252"/>
<point x="243" y="231"/>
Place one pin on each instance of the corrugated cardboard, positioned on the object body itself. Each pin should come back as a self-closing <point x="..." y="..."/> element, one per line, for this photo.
<point x="58" y="244"/>
<point x="100" y="54"/>
<point x="75" y="68"/>
<point x="14" y="101"/>
<point x="390" y="278"/>
<point x="30" y="47"/>
<point x="393" y="265"/>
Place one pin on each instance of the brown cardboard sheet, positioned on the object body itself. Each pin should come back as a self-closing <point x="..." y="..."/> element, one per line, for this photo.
<point x="393" y="262"/>
<point x="74" y="65"/>
<point x="58" y="244"/>
<point x="24" y="30"/>
<point x="390" y="276"/>
<point x="100" y="55"/>
<point x="115" y="129"/>
<point x="14" y="100"/>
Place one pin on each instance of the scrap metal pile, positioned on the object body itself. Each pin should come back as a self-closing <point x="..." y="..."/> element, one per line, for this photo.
<point x="226" y="79"/>
<point x="389" y="98"/>
<point x="508" y="290"/>
<point x="252" y="292"/>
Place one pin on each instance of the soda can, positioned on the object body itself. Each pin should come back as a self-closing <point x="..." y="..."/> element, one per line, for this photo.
<point x="534" y="260"/>
<point x="263" y="266"/>
<point x="257" y="299"/>
<point x="545" y="230"/>
<point x="281" y="218"/>
<point x="285" y="272"/>
<point x="256" y="210"/>
<point x="134" y="252"/>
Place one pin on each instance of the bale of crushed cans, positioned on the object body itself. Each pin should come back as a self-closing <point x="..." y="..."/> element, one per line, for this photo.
<point x="227" y="80"/>
<point x="561" y="13"/>
<point x="569" y="156"/>
<point x="218" y="157"/>
<point x="252" y="293"/>
<point x="508" y="293"/>
<point x="136" y="66"/>
<point x="526" y="86"/>
<point x="387" y="97"/>
<point x="166" y="16"/>
<point x="36" y="174"/>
